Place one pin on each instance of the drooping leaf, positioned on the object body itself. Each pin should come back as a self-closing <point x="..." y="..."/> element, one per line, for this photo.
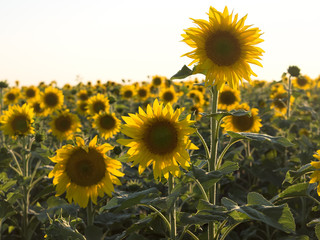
<point x="292" y="175"/>
<point x="182" y="73"/>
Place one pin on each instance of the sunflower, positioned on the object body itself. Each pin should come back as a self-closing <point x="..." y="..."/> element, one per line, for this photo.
<point x="244" y="123"/>
<point x="277" y="87"/>
<point x="196" y="109"/>
<point x="82" y="107"/>
<point x="31" y="93"/>
<point x="127" y="92"/>
<point x="85" y="171"/>
<point x="37" y="109"/>
<point x="224" y="48"/>
<point x="51" y="99"/>
<point x="142" y="93"/>
<point x="158" y="81"/>
<point x="17" y="120"/>
<point x="279" y="102"/>
<point x="98" y="103"/>
<point x="228" y="98"/>
<point x="168" y="95"/>
<point x="83" y="95"/>
<point x="196" y="96"/>
<point x="107" y="124"/>
<point x="158" y="137"/>
<point x="64" y="124"/>
<point x="315" y="176"/>
<point x="302" y="82"/>
<point x="11" y="96"/>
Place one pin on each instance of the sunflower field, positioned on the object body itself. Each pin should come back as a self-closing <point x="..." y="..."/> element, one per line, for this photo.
<point x="170" y="158"/>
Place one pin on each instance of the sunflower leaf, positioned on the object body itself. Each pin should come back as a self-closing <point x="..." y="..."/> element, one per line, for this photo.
<point x="182" y="73"/>
<point x="292" y="176"/>
<point x="218" y="116"/>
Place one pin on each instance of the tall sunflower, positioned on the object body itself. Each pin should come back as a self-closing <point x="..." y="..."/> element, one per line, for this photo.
<point x="224" y="48"/>
<point x="17" y="120"/>
<point x="228" y="98"/>
<point x="51" y="99"/>
<point x="158" y="137"/>
<point x="98" y="103"/>
<point x="243" y="123"/>
<point x="85" y="171"/>
<point x="64" y="124"/>
<point x="107" y="124"/>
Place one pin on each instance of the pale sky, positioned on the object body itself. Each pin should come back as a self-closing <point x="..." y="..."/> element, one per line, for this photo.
<point x="43" y="40"/>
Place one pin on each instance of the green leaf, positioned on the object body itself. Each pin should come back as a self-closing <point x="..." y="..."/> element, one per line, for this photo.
<point x="5" y="210"/>
<point x="260" y="137"/>
<point x="228" y="167"/>
<point x="61" y="229"/>
<point x="93" y="233"/>
<point x="297" y="190"/>
<point x="187" y="218"/>
<point x="317" y="230"/>
<point x="182" y="73"/>
<point x="218" y="116"/>
<point x="254" y="198"/>
<point x="292" y="176"/>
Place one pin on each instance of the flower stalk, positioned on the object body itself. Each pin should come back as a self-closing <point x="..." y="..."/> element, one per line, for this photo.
<point x="172" y="214"/>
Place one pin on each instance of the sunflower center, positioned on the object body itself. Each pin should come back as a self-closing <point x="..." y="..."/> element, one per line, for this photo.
<point x="51" y="99"/>
<point x="242" y="123"/>
<point x="156" y="81"/>
<point x="302" y="81"/>
<point x="227" y="97"/>
<point x="195" y="110"/>
<point x="83" y="106"/>
<point x="128" y="94"/>
<point x="107" y="122"/>
<point x="11" y="96"/>
<point x="86" y="168"/>
<point x="223" y="48"/>
<point x="83" y="96"/>
<point x="99" y="106"/>
<point x="280" y="104"/>
<point x="168" y="96"/>
<point x="37" y="108"/>
<point x="20" y="124"/>
<point x="63" y="123"/>
<point x="142" y="93"/>
<point x="30" y="93"/>
<point x="161" y="137"/>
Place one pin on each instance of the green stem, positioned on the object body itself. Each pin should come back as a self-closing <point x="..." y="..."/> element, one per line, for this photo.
<point x="204" y="194"/>
<point x="213" y="153"/>
<point x="204" y="144"/>
<point x="192" y="235"/>
<point x="159" y="213"/>
<point x="90" y="213"/>
<point x="289" y="96"/>
<point x="172" y="214"/>
<point x="219" y="161"/>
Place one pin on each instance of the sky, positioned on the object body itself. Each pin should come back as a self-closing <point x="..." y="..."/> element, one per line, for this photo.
<point x="65" y="40"/>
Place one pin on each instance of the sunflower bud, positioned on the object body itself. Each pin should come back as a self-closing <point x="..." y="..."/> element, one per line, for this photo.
<point x="294" y="71"/>
<point x="3" y="84"/>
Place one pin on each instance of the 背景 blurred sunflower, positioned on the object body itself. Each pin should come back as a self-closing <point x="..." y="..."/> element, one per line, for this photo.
<point x="228" y="98"/>
<point x="315" y="176"/>
<point x="142" y="93"/>
<point x="51" y="99"/>
<point x="158" y="137"/>
<point x="83" y="95"/>
<point x="82" y="107"/>
<point x="279" y="102"/>
<point x="127" y="92"/>
<point x="85" y="172"/>
<point x="11" y="96"/>
<point x="168" y="95"/>
<point x="107" y="124"/>
<point x="224" y="48"/>
<point x="98" y="103"/>
<point x="31" y="93"/>
<point x="64" y="124"/>
<point x="17" y="120"/>
<point x="302" y="82"/>
<point x="243" y="123"/>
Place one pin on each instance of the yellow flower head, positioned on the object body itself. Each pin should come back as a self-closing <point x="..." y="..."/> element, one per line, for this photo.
<point x="51" y="99"/>
<point x="158" y="137"/>
<point x="158" y="81"/>
<point x="107" y="124"/>
<point x="315" y="176"/>
<point x="302" y="82"/>
<point x="127" y="91"/>
<point x="196" y="96"/>
<point x="83" y="95"/>
<point x="142" y="93"/>
<point x="82" y="107"/>
<point x="17" y="120"/>
<point x="224" y="48"/>
<point x="243" y="123"/>
<point x="11" y="96"/>
<point x="228" y="98"/>
<point x="85" y="172"/>
<point x="64" y="125"/>
<point x="98" y="103"/>
<point x="279" y="102"/>
<point x="31" y="93"/>
<point x="168" y="95"/>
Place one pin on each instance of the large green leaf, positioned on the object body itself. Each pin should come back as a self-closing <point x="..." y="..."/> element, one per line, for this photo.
<point x="292" y="175"/>
<point x="218" y="116"/>
<point x="182" y="73"/>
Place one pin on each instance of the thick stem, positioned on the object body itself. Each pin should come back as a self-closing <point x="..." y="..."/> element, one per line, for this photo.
<point x="90" y="217"/>
<point x="172" y="214"/>
<point x="213" y="153"/>
<point x="289" y="96"/>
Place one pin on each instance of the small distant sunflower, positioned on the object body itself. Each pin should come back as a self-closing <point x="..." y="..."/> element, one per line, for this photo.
<point x="196" y="110"/>
<point x="315" y="176"/>
<point x="107" y="124"/>
<point x="302" y="82"/>
<point x="196" y="96"/>
<point x="17" y="120"/>
<point x="82" y="107"/>
<point x="158" y="137"/>
<point x="11" y="96"/>
<point x="31" y="93"/>
<point x="51" y="99"/>
<point x="243" y="123"/>
<point x="279" y="102"/>
<point x="98" y="103"/>
<point x="142" y="93"/>
<point x="157" y="81"/>
<point x="83" y="95"/>
<point x="224" y="48"/>
<point x="258" y="83"/>
<point x="168" y="95"/>
<point x="37" y="109"/>
<point x="228" y="98"/>
<point x="64" y="124"/>
<point x="85" y="171"/>
<point x="277" y="87"/>
<point x="127" y="92"/>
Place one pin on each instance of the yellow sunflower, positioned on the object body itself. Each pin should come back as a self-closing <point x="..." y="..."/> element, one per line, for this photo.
<point x="64" y="124"/>
<point x="158" y="137"/>
<point x="107" y="124"/>
<point x="127" y="92"/>
<point x="17" y="120"/>
<point x="37" y="109"/>
<point x="279" y="102"/>
<point x="31" y="93"/>
<point x="196" y="109"/>
<point x="224" y="48"/>
<point x="83" y="95"/>
<point x="315" y="176"/>
<point x="168" y="95"/>
<point x="51" y="99"/>
<point x="158" y="81"/>
<point x="228" y="98"/>
<point x="302" y="82"/>
<point x="82" y="107"/>
<point x="11" y="96"/>
<point x="85" y="171"/>
<point x="196" y="96"/>
<point x="243" y="123"/>
<point x="98" y="103"/>
<point x="142" y="93"/>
